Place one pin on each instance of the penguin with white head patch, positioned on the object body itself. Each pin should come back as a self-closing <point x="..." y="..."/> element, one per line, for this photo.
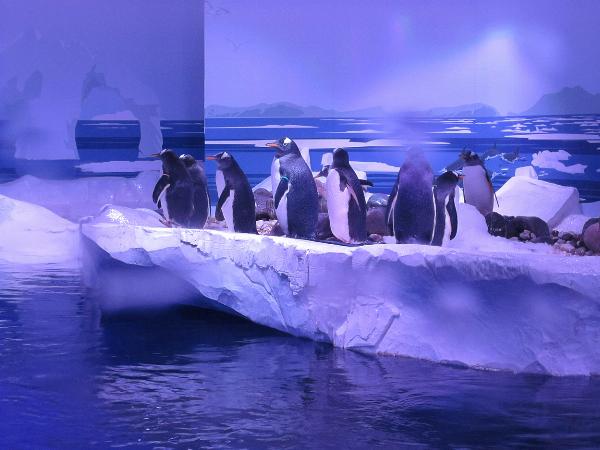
<point x="174" y="190"/>
<point x="411" y="208"/>
<point x="236" y="200"/>
<point x="201" y="198"/>
<point x="346" y="201"/>
<point x="294" y="191"/>
<point x="446" y="218"/>
<point x="477" y="185"/>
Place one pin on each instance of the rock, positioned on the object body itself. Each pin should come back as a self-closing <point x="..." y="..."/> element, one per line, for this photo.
<point x="378" y="199"/>
<point x="591" y="235"/>
<point x="589" y="253"/>
<point x="323" y="227"/>
<point x="514" y="238"/>
<point x="580" y="251"/>
<point x="526" y="172"/>
<point x="376" y="238"/>
<point x="268" y="228"/>
<point x="376" y="221"/>
<point x="521" y="196"/>
<point x="567" y="248"/>
<point x="265" y="207"/>
<point x="496" y="224"/>
<point x="566" y="236"/>
<point x="525" y="235"/>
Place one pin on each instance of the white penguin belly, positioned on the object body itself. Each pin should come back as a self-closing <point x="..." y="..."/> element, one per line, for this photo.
<point x="448" y="224"/>
<point x="338" y="203"/>
<point x="227" y="208"/>
<point x="281" y="210"/>
<point x="477" y="189"/>
<point x="275" y="175"/>
<point x="162" y="198"/>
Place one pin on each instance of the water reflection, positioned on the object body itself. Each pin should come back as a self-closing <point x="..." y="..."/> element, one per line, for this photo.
<point x="194" y="379"/>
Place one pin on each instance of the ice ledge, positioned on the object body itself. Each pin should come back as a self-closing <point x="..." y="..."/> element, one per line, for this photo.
<point x="503" y="310"/>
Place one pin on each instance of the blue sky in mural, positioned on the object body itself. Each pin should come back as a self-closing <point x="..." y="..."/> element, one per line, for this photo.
<point x="398" y="54"/>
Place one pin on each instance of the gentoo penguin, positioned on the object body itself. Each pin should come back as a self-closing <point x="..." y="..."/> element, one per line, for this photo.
<point x="294" y="191"/>
<point x="236" y="200"/>
<point x="411" y="210"/>
<point x="346" y="200"/>
<point x="478" y="190"/>
<point x="174" y="190"/>
<point x="201" y="198"/>
<point x="446" y="219"/>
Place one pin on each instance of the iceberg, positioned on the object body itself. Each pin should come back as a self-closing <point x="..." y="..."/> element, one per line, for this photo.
<point x="486" y="302"/>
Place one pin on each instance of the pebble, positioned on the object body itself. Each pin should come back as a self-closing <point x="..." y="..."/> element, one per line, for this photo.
<point x="591" y="237"/>
<point x="376" y="237"/>
<point x="580" y="251"/>
<point x="525" y="235"/>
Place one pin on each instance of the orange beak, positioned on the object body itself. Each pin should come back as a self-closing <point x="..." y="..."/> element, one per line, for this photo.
<point x="272" y="144"/>
<point x="211" y="158"/>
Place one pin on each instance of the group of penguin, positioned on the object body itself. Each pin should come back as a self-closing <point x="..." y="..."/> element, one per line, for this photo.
<point x="420" y="209"/>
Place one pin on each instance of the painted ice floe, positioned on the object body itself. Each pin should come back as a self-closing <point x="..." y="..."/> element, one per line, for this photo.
<point x="367" y="166"/>
<point x="556" y="136"/>
<point x="547" y="159"/>
<point x="261" y="126"/>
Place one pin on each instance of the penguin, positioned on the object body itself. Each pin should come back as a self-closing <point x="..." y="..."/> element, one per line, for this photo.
<point x="346" y="201"/>
<point x="174" y="190"/>
<point x="236" y="200"/>
<point x="201" y="198"/>
<point x="411" y="211"/>
<point x="446" y="218"/>
<point x="477" y="185"/>
<point x="294" y="191"/>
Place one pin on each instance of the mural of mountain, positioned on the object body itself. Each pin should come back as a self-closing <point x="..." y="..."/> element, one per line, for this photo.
<point x="569" y="100"/>
<point x="286" y="109"/>
<point x="470" y="110"/>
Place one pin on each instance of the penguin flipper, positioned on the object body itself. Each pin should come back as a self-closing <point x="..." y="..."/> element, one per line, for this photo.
<point x="451" y="209"/>
<point x="389" y="211"/>
<point x="160" y="186"/>
<point x="224" y="196"/>
<point x="282" y="187"/>
<point x="489" y="180"/>
<point x="344" y="184"/>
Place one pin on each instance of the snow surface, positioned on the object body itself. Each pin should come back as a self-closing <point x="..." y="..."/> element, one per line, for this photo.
<point x="487" y="302"/>
<point x="73" y="199"/>
<point x="30" y="234"/>
<point x="521" y="196"/>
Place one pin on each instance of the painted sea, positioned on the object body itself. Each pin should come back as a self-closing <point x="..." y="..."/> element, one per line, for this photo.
<point x="564" y="149"/>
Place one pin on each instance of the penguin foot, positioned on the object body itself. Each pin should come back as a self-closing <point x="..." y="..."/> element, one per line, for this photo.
<point x="167" y="223"/>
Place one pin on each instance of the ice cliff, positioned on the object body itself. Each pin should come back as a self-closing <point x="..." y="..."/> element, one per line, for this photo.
<point x="489" y="303"/>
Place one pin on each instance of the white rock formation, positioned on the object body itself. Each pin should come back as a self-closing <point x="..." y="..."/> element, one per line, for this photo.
<point x="30" y="234"/>
<point x="487" y="303"/>
<point x="527" y="172"/>
<point x="523" y="196"/>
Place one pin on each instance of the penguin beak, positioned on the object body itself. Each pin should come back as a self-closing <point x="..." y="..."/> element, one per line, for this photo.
<point x="460" y="177"/>
<point x="272" y="144"/>
<point x="211" y="158"/>
<point x="155" y="155"/>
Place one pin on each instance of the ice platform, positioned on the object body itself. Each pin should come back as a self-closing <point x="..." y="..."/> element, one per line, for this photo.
<point x="487" y="303"/>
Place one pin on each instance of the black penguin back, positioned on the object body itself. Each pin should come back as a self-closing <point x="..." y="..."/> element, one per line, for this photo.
<point x="244" y="208"/>
<point x="201" y="198"/>
<point x="414" y="207"/>
<point x="180" y="193"/>
<point x="302" y="198"/>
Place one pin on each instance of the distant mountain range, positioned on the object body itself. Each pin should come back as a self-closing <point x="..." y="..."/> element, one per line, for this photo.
<point x="569" y="100"/>
<point x="286" y="109"/>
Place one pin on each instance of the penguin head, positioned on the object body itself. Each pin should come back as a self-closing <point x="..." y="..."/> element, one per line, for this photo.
<point x="470" y="158"/>
<point x="188" y="160"/>
<point x="169" y="160"/>
<point x="340" y="158"/>
<point x="284" y="146"/>
<point x="224" y="160"/>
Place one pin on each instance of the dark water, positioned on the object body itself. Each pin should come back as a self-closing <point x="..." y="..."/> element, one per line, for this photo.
<point x="193" y="379"/>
